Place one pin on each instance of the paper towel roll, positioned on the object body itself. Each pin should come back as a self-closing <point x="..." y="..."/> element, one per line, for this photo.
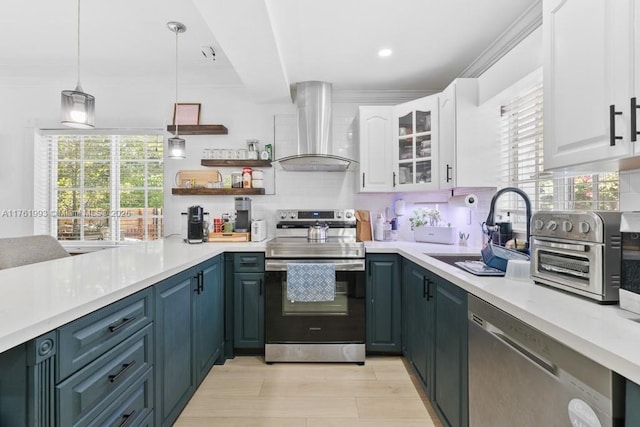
<point x="468" y="201"/>
<point x="399" y="207"/>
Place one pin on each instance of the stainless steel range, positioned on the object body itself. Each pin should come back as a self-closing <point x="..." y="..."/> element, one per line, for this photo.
<point x="579" y="252"/>
<point x="315" y="288"/>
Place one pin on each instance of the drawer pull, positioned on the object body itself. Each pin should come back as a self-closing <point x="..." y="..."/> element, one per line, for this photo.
<point x="121" y="372"/>
<point x="127" y="419"/>
<point x="124" y="322"/>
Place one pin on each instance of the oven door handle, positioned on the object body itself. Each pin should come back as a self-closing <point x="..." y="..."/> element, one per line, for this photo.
<point x="566" y="246"/>
<point x="341" y="264"/>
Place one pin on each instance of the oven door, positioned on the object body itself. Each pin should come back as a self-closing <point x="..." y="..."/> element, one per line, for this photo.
<point x="573" y="266"/>
<point x="339" y="321"/>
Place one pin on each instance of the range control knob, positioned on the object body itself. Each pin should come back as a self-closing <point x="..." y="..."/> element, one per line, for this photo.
<point x="292" y="215"/>
<point x="538" y="224"/>
<point x="348" y="214"/>
<point x="338" y="215"/>
<point x="283" y="215"/>
<point x="584" y="227"/>
<point x="552" y="225"/>
<point x="567" y="226"/>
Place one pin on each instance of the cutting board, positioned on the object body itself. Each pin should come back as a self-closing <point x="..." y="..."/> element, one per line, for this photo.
<point x="229" y="237"/>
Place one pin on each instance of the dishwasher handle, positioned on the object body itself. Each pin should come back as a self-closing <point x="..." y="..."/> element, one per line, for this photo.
<point x="525" y="351"/>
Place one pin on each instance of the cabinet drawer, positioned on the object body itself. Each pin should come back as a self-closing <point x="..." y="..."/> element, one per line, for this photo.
<point x="248" y="263"/>
<point x="85" y="339"/>
<point x="84" y="395"/>
<point x="133" y="408"/>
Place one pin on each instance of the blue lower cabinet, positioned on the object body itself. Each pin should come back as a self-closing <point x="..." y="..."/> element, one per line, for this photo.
<point x="450" y="390"/>
<point x="209" y="316"/>
<point x="134" y="407"/>
<point x="383" y="306"/>
<point x="189" y="335"/>
<point x="87" y="393"/>
<point x="249" y="311"/>
<point x="632" y="407"/>
<point x="418" y="299"/>
<point x="175" y="379"/>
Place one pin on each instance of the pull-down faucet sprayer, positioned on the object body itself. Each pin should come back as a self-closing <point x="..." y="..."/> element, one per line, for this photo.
<point x="490" y="220"/>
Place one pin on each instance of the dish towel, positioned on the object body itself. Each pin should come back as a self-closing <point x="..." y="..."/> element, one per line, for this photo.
<point x="311" y="281"/>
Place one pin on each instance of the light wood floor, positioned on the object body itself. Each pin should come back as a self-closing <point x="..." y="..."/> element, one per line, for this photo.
<point x="245" y="391"/>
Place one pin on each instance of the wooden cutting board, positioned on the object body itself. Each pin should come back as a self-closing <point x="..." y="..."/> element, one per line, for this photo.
<point x="229" y="237"/>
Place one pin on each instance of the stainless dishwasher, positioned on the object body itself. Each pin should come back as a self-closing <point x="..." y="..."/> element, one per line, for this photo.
<point x="520" y="377"/>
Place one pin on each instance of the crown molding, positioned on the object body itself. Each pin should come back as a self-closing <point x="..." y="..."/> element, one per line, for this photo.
<point x="379" y="97"/>
<point x="528" y="22"/>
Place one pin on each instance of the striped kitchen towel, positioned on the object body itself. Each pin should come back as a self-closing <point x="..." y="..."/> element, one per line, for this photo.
<point x="311" y="281"/>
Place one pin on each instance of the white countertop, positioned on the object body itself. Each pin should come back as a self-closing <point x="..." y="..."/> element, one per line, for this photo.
<point x="38" y="298"/>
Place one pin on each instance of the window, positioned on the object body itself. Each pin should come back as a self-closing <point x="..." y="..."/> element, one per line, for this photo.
<point x="96" y="186"/>
<point x="521" y="134"/>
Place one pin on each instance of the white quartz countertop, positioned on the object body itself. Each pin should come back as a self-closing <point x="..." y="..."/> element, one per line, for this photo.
<point x="38" y="298"/>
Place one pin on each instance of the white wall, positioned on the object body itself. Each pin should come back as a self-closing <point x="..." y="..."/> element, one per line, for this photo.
<point x="149" y="105"/>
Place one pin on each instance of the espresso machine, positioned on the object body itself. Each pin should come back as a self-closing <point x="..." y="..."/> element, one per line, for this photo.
<point x="195" y="224"/>
<point x="243" y="214"/>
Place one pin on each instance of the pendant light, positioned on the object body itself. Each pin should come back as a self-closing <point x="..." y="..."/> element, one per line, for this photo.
<point x="77" y="107"/>
<point x="177" y="148"/>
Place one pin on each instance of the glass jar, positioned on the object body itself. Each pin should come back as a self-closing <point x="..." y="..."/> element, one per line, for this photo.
<point x="236" y="179"/>
<point x="246" y="177"/>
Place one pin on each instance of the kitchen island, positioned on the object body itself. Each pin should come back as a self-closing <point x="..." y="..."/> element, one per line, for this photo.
<point x="40" y="298"/>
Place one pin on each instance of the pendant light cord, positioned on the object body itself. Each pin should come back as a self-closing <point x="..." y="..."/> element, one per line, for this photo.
<point x="79" y="86"/>
<point x="176" y="105"/>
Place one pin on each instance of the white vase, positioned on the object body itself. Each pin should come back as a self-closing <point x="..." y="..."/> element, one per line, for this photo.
<point x="429" y="234"/>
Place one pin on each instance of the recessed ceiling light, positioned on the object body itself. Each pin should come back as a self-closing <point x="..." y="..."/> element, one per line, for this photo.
<point x="384" y="52"/>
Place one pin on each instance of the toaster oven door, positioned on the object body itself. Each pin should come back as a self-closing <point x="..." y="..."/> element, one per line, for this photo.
<point x="572" y="266"/>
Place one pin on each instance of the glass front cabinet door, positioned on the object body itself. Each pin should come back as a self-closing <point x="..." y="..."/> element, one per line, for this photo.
<point x="416" y="145"/>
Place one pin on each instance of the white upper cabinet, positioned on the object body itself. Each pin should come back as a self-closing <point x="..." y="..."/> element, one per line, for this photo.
<point x="588" y="73"/>
<point x="463" y="145"/>
<point x="374" y="127"/>
<point x="415" y="145"/>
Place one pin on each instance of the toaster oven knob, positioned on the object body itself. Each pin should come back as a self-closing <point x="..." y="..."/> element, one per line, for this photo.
<point x="567" y="226"/>
<point x="538" y="224"/>
<point x="584" y="227"/>
<point x="552" y="225"/>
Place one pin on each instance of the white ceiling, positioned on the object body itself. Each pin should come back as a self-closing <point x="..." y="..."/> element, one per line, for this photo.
<point x="265" y="45"/>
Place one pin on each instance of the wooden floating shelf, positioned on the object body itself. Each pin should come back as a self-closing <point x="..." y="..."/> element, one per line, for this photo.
<point x="240" y="163"/>
<point x="198" y="129"/>
<point x="217" y="191"/>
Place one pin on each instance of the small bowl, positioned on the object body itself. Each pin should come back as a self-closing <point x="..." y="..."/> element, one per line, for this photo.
<point x="518" y="270"/>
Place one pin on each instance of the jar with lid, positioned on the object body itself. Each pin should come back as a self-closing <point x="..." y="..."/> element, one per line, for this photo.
<point x="246" y="177"/>
<point x="254" y="151"/>
<point x="236" y="179"/>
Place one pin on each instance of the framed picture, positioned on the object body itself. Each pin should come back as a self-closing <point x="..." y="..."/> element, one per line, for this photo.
<point x="186" y="114"/>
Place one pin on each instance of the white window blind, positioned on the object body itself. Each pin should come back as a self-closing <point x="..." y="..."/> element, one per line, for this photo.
<point x="522" y="166"/>
<point x="99" y="186"/>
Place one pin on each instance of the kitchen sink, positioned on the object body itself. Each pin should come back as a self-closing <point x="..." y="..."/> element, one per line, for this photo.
<point x="453" y="258"/>
<point x="476" y="266"/>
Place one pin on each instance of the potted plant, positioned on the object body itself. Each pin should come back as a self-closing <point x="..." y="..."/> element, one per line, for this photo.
<point x="428" y="226"/>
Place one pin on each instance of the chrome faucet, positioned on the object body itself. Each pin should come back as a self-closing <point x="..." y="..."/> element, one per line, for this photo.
<point x="490" y="222"/>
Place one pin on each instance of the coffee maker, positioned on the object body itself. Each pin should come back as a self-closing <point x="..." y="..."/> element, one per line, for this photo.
<point x="243" y="214"/>
<point x="195" y="224"/>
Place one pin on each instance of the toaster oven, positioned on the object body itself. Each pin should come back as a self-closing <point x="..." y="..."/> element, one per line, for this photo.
<point x="578" y="252"/>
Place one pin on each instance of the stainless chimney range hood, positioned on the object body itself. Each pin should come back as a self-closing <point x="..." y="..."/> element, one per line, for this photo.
<point x="313" y="101"/>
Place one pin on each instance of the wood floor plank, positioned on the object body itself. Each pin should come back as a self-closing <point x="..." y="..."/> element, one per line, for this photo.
<point x="338" y="388"/>
<point x="269" y="407"/>
<point x="240" y="422"/>
<point x="246" y="391"/>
